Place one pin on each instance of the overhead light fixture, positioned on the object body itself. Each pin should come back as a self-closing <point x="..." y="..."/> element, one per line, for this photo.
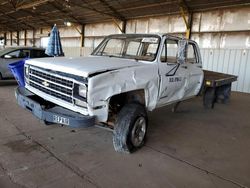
<point x="68" y="24"/>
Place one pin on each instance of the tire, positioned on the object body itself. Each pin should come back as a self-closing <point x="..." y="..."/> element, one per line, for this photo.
<point x="209" y="98"/>
<point x="130" y="128"/>
<point x="223" y="94"/>
<point x="1" y="77"/>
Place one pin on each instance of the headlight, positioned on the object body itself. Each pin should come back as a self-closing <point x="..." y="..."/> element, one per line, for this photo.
<point x="26" y="74"/>
<point x="26" y="71"/>
<point x="83" y="91"/>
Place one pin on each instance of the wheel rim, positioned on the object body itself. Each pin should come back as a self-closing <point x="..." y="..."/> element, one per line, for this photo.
<point x="138" y="132"/>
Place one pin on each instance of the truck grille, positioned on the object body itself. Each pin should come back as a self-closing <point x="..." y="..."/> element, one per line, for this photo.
<point x="51" y="84"/>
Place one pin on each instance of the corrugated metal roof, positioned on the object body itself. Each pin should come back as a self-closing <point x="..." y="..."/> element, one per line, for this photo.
<point x="30" y="14"/>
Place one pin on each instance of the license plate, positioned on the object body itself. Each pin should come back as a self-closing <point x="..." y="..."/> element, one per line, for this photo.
<point x="60" y="120"/>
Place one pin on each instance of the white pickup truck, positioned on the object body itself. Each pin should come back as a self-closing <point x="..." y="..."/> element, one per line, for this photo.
<point x="126" y="76"/>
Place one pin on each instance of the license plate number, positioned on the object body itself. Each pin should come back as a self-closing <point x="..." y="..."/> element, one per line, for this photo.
<point x="60" y="120"/>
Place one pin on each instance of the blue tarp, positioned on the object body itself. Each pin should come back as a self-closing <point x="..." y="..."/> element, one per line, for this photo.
<point x="17" y="69"/>
<point x="54" y="46"/>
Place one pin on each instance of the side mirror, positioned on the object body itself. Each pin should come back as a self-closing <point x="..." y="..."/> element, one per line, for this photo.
<point x="7" y="56"/>
<point x="182" y="51"/>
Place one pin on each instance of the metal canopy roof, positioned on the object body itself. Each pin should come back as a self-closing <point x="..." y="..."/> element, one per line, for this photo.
<point x="30" y="14"/>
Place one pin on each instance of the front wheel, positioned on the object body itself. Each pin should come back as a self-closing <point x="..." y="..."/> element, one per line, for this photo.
<point x="130" y="128"/>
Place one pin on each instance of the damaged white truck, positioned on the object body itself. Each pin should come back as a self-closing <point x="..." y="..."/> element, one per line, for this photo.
<point x="126" y="76"/>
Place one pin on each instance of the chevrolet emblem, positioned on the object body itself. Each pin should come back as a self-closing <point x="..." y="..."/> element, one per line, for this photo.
<point x="45" y="83"/>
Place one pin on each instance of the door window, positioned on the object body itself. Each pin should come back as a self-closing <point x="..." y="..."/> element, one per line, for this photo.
<point x="39" y="53"/>
<point x="14" y="54"/>
<point x="19" y="54"/>
<point x="191" y="57"/>
<point x="169" y="52"/>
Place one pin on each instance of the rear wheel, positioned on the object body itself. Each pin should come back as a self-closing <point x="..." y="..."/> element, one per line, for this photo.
<point x="1" y="77"/>
<point x="130" y="128"/>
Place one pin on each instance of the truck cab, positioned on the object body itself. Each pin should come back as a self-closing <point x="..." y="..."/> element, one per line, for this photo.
<point x="125" y="76"/>
<point x="180" y="70"/>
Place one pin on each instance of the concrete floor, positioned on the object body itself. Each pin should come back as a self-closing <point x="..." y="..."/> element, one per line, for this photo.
<point x="191" y="148"/>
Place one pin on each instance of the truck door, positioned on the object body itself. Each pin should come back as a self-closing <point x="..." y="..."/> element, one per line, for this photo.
<point x="173" y="75"/>
<point x="195" y="72"/>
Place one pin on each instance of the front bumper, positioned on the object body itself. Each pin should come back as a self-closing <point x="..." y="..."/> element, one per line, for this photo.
<point x="54" y="114"/>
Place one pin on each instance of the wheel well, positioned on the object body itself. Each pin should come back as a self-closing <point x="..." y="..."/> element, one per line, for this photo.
<point x="136" y="96"/>
<point x="116" y="102"/>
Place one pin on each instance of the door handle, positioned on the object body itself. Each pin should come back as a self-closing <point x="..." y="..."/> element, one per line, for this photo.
<point x="184" y="67"/>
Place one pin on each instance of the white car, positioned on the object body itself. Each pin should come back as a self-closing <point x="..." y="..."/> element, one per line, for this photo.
<point x="126" y="76"/>
<point x="13" y="54"/>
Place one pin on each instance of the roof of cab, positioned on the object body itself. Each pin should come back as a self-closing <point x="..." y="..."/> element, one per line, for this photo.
<point x="144" y="34"/>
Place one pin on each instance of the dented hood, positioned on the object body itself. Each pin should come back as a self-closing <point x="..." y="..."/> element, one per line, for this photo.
<point x="83" y="66"/>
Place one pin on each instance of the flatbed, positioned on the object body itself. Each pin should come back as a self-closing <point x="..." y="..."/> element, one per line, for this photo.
<point x="216" y="88"/>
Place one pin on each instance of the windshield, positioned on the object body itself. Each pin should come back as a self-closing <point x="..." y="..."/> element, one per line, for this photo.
<point x="6" y="50"/>
<point x="138" y="48"/>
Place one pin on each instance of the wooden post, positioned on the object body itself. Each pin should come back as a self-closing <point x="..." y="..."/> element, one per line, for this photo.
<point x="17" y="38"/>
<point x="124" y="26"/>
<point x="33" y="38"/>
<point x="82" y="35"/>
<point x="25" y="37"/>
<point x="5" y="39"/>
<point x="11" y="38"/>
<point x="190" y="25"/>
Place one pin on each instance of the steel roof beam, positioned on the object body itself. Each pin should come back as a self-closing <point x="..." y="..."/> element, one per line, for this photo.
<point x="89" y="7"/>
<point x="14" y="19"/>
<point x="30" y="5"/>
<point x="65" y="12"/>
<point x="113" y="10"/>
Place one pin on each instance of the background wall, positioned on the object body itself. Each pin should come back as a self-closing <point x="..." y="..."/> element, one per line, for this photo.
<point x="223" y="36"/>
